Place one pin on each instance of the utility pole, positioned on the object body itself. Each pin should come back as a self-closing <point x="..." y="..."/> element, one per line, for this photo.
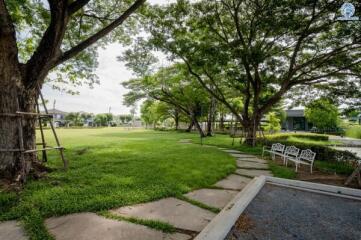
<point x="110" y="108"/>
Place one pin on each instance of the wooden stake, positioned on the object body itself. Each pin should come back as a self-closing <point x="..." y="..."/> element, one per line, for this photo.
<point x="45" y="157"/>
<point x="21" y="145"/>
<point x="61" y="149"/>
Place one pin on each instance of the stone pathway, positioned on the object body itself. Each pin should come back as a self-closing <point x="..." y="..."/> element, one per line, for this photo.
<point x="187" y="218"/>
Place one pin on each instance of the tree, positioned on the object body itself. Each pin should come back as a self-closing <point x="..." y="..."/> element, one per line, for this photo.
<point x="125" y="118"/>
<point x="75" y="118"/>
<point x="103" y="119"/>
<point x="155" y="112"/>
<point x="61" y="36"/>
<point x="175" y="86"/>
<point x="273" y="123"/>
<point x="257" y="50"/>
<point x="322" y="114"/>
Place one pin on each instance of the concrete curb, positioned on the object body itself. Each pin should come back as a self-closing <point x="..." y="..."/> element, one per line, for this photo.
<point x="220" y="226"/>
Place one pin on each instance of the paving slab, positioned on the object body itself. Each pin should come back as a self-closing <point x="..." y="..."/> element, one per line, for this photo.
<point x="241" y="155"/>
<point x="253" y="173"/>
<point x="179" y="213"/>
<point x="257" y="160"/>
<point x="89" y="226"/>
<point x="231" y="151"/>
<point x="234" y="182"/>
<point x="11" y="230"/>
<point x="252" y="165"/>
<point x="212" y="197"/>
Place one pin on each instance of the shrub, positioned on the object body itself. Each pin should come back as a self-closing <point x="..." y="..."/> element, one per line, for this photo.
<point x="354" y="132"/>
<point x="315" y="137"/>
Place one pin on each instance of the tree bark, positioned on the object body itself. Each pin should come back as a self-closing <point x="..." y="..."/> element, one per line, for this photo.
<point x="17" y="133"/>
<point x="250" y="128"/>
<point x="198" y="126"/>
<point x="176" y="119"/>
<point x="210" y="119"/>
<point x="189" y="129"/>
<point x="221" y="122"/>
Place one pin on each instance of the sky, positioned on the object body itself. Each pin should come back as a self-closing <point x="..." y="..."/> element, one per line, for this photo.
<point x="110" y="91"/>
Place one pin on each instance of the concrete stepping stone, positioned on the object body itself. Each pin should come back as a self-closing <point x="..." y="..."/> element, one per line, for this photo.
<point x="231" y="151"/>
<point x="12" y="230"/>
<point x="252" y="165"/>
<point x="256" y="160"/>
<point x="253" y="173"/>
<point x="238" y="155"/>
<point x="234" y="182"/>
<point x="212" y="197"/>
<point x="89" y="226"/>
<point x="179" y="213"/>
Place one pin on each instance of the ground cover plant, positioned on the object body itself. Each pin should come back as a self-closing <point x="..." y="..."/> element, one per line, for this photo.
<point x="354" y="132"/>
<point x="111" y="167"/>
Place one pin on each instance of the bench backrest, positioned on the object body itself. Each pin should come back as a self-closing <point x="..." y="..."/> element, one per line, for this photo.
<point x="278" y="147"/>
<point x="292" y="151"/>
<point x="307" y="155"/>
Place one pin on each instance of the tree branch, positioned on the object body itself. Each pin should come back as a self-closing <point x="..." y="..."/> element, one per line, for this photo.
<point x="76" y="6"/>
<point x="39" y="64"/>
<point x="91" y="40"/>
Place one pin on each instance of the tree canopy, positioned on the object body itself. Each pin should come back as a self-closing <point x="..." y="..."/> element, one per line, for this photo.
<point x="322" y="114"/>
<point x="256" y="50"/>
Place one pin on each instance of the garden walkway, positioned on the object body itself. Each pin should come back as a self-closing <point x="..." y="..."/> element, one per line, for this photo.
<point x="189" y="214"/>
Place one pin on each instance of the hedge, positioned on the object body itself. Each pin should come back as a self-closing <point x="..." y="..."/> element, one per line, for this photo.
<point x="315" y="137"/>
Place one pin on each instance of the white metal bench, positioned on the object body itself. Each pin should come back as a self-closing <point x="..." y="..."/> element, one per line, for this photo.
<point x="276" y="149"/>
<point x="290" y="152"/>
<point x="307" y="157"/>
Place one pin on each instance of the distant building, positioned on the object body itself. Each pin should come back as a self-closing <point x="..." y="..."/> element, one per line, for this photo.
<point x="58" y="117"/>
<point x="296" y="121"/>
<point x="356" y="119"/>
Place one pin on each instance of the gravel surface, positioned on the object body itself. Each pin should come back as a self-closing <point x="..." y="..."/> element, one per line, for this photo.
<point x="285" y="213"/>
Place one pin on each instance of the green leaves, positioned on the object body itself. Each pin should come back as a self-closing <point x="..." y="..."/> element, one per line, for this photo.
<point x="322" y="113"/>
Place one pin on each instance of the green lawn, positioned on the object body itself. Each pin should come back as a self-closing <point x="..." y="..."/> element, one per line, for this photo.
<point x="353" y="131"/>
<point x="113" y="167"/>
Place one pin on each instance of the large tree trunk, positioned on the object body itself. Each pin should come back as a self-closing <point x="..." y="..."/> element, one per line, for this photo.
<point x="176" y="119"/>
<point x="190" y="126"/>
<point x="221" y="122"/>
<point x="210" y="119"/>
<point x="198" y="126"/>
<point x="250" y="128"/>
<point x="17" y="131"/>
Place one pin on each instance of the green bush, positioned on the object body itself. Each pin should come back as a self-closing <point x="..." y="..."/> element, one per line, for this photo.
<point x="354" y="132"/>
<point x="283" y="136"/>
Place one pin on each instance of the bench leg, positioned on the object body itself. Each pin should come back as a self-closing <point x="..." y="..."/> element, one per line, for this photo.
<point x="296" y="167"/>
<point x="311" y="169"/>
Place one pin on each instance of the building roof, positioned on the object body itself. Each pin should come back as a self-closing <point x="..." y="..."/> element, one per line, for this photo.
<point x="295" y="113"/>
<point x="56" y="111"/>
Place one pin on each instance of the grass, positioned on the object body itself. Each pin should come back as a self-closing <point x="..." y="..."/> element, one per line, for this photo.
<point x="199" y="204"/>
<point x="311" y="141"/>
<point x="112" y="167"/>
<point x="281" y="171"/>
<point x="334" y="167"/>
<point x="354" y="131"/>
<point x="158" y="225"/>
